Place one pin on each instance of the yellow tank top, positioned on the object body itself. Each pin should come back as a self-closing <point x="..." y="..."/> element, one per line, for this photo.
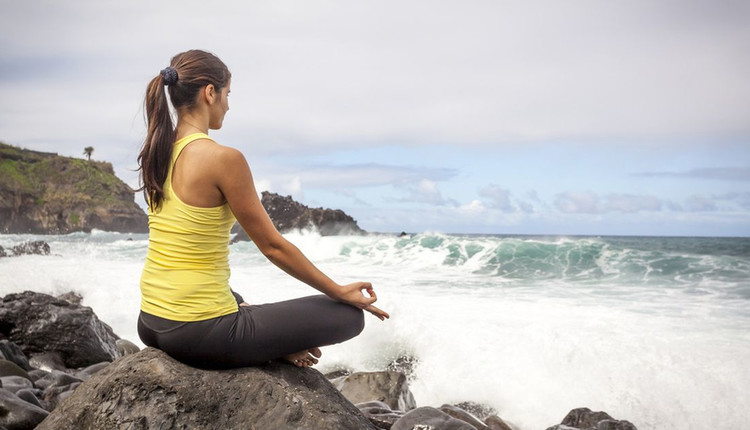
<point x="186" y="274"/>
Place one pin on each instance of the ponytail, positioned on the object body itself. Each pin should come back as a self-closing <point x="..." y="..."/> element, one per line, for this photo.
<point x="156" y="154"/>
<point x="188" y="73"/>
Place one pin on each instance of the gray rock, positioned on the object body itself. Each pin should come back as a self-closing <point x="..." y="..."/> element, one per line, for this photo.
<point x="17" y="414"/>
<point x="37" y="374"/>
<point x="13" y="353"/>
<point x="391" y="388"/>
<point x="431" y="418"/>
<point x="477" y="409"/>
<point x="494" y="422"/>
<point x="56" y="378"/>
<point x="126" y="347"/>
<point x="55" y="394"/>
<point x="15" y="383"/>
<point x="562" y="427"/>
<point x="463" y="415"/>
<point x="379" y="414"/>
<point x="585" y="418"/>
<point x="30" y="395"/>
<point x="42" y="323"/>
<point x="86" y="373"/>
<point x="287" y="214"/>
<point x="71" y="297"/>
<point x="48" y="361"/>
<point x="37" y="247"/>
<point x="149" y="389"/>
<point x="405" y="364"/>
<point x="8" y="368"/>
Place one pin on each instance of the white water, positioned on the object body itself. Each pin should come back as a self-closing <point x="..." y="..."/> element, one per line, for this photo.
<point x="656" y="356"/>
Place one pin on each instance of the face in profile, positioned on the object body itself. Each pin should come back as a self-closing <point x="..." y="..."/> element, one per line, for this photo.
<point x="219" y="108"/>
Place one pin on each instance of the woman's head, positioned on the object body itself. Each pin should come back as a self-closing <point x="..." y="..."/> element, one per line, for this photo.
<point x="189" y="75"/>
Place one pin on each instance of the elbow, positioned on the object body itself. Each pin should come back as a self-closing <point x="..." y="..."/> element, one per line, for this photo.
<point x="273" y="249"/>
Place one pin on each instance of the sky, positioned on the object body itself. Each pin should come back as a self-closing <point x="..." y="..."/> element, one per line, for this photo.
<point x="494" y="117"/>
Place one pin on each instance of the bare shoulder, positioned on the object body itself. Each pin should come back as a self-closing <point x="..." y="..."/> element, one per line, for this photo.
<point x="211" y="152"/>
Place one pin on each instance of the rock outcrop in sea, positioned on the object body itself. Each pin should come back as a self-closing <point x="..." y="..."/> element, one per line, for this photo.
<point x="62" y="368"/>
<point x="288" y="214"/>
<point x="44" y="193"/>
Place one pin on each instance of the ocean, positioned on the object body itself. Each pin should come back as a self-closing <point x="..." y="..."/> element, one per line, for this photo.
<point x="654" y="330"/>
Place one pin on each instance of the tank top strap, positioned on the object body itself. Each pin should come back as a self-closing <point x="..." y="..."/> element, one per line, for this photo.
<point x="182" y="143"/>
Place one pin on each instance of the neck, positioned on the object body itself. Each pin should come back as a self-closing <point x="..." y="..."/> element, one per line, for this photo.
<point x="188" y="124"/>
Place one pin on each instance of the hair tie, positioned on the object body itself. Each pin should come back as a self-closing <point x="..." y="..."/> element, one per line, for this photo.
<point x="169" y="76"/>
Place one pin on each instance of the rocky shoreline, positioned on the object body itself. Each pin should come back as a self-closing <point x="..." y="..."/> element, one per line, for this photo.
<point x="61" y="367"/>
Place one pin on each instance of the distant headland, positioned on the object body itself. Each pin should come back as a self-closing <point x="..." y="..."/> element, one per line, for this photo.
<point x="45" y="193"/>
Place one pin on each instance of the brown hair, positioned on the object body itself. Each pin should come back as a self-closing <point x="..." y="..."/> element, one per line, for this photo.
<point x="194" y="70"/>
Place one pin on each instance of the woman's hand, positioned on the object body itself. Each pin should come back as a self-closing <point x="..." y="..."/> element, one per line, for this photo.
<point x="352" y="294"/>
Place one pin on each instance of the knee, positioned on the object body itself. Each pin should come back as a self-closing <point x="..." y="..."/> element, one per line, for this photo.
<point x="356" y="321"/>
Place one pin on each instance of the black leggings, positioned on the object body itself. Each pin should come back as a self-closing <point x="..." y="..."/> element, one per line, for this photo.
<point x="255" y="334"/>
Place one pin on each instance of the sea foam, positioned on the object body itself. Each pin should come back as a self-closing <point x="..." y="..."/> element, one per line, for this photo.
<point x="651" y="330"/>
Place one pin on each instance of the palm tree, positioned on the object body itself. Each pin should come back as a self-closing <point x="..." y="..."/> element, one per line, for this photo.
<point x="87" y="151"/>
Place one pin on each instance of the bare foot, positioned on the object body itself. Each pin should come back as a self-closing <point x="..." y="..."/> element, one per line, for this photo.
<point x="304" y="358"/>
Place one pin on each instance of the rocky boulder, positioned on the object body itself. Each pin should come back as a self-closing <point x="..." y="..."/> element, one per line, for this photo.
<point x="149" y="389"/>
<point x="388" y="387"/>
<point x="586" y="419"/>
<point x="36" y="247"/>
<point x="288" y="215"/>
<point x="40" y="323"/>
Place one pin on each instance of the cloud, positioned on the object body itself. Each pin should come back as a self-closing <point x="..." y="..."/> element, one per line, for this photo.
<point x="500" y="74"/>
<point x="700" y="204"/>
<point x="499" y="198"/>
<point x="591" y="203"/>
<point x="574" y="202"/>
<point x="629" y="203"/>
<point x="741" y="174"/>
<point x="426" y="191"/>
<point x="345" y="176"/>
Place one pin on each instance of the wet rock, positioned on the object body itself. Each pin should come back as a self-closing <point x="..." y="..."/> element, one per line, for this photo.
<point x="15" y="383"/>
<point x="379" y="414"/>
<point x="31" y="395"/>
<point x="42" y="323"/>
<point x="56" y="378"/>
<point x="48" y="361"/>
<point x="388" y="387"/>
<point x="86" y="373"/>
<point x="287" y="214"/>
<point x="494" y="422"/>
<point x="13" y="353"/>
<point x="151" y="390"/>
<point x="463" y="415"/>
<point x="54" y="395"/>
<point x="405" y="364"/>
<point x="126" y="347"/>
<point x="19" y="414"/>
<point x="430" y="418"/>
<point x="37" y="374"/>
<point x="585" y="418"/>
<point x="71" y="297"/>
<point x="37" y="247"/>
<point x="477" y="409"/>
<point x="9" y="368"/>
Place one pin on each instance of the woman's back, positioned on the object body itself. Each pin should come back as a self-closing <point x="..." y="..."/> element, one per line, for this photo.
<point x="186" y="275"/>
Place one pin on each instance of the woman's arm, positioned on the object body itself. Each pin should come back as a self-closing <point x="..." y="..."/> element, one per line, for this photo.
<point x="235" y="181"/>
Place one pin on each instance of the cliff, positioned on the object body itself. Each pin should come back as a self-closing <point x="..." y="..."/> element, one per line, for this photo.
<point x="45" y="193"/>
<point x="288" y="214"/>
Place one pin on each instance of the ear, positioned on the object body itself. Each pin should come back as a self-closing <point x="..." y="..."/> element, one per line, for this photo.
<point x="209" y="92"/>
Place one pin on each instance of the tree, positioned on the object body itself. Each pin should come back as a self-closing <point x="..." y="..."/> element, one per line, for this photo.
<point x="87" y="151"/>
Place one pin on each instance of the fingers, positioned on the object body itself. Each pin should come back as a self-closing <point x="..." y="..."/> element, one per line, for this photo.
<point x="377" y="312"/>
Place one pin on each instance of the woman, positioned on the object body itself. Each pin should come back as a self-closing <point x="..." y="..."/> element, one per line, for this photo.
<point x="195" y="189"/>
